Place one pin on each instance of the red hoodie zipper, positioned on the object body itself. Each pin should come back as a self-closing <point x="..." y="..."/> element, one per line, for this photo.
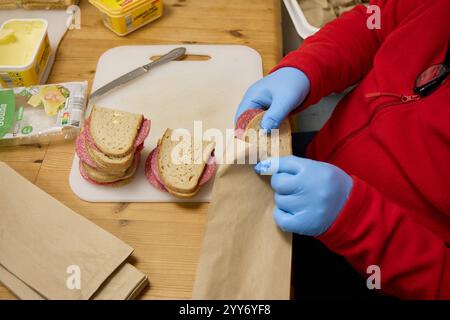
<point x="372" y="96"/>
<point x="403" y="98"/>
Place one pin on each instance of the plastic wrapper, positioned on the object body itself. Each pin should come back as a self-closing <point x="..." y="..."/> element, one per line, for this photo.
<point x="41" y="113"/>
<point x="320" y="12"/>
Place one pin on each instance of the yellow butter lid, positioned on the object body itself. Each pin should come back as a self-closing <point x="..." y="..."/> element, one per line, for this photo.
<point x="118" y="6"/>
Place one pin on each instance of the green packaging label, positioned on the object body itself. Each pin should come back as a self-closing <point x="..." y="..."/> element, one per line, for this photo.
<point x="20" y="113"/>
<point x="7" y="111"/>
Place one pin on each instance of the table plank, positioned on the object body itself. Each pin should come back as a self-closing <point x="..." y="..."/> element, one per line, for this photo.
<point x="166" y="236"/>
<point x="26" y="159"/>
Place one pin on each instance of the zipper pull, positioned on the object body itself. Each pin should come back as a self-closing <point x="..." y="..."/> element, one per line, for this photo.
<point x="414" y="97"/>
<point x="403" y="98"/>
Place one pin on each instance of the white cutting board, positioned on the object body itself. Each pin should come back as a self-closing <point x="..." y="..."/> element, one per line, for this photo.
<point x="172" y="95"/>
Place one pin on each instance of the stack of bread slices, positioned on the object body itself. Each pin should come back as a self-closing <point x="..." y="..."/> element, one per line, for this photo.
<point x="110" y="145"/>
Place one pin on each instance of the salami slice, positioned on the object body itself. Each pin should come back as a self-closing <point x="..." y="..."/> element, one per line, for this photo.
<point x="88" y="179"/>
<point x="151" y="171"/>
<point x="139" y="148"/>
<point x="154" y="165"/>
<point x="88" y="137"/>
<point x="80" y="149"/>
<point x="209" y="171"/>
<point x="143" y="133"/>
<point x="244" y="119"/>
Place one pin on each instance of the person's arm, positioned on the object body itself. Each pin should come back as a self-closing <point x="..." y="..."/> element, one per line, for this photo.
<point x="331" y="60"/>
<point x="371" y="230"/>
<point x="343" y="51"/>
<point x="358" y="222"/>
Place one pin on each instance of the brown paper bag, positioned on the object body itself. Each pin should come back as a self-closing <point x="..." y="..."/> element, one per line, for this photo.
<point x="244" y="254"/>
<point x="124" y="284"/>
<point x="41" y="238"/>
<point x="17" y="286"/>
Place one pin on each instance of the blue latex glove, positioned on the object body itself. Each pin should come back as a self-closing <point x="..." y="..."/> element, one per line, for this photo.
<point x="280" y="92"/>
<point x="308" y="194"/>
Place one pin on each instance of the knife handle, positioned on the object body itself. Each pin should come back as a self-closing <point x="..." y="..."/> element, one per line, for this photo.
<point x="172" y="55"/>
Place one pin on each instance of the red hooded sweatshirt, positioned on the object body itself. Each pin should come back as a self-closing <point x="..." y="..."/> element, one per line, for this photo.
<point x="397" y="150"/>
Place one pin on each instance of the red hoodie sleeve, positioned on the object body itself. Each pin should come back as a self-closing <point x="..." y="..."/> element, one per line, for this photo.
<point x="370" y="230"/>
<point x="342" y="52"/>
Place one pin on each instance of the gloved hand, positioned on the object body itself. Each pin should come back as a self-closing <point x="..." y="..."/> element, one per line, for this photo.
<point x="280" y="92"/>
<point x="308" y="194"/>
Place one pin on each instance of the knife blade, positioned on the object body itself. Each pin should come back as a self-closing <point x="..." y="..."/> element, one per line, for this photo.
<point x="127" y="77"/>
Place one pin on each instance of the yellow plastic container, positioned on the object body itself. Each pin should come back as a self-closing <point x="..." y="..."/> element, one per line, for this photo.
<point x="125" y="16"/>
<point x="24" y="52"/>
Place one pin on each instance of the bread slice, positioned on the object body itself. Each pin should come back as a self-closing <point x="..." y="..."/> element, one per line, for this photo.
<point x="285" y="137"/>
<point x="102" y="177"/>
<point x="120" y="183"/>
<point x="114" y="132"/>
<point x="183" y="195"/>
<point x="181" y="179"/>
<point x="109" y="164"/>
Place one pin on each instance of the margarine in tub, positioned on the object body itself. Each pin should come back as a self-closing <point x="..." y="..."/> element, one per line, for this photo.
<point x="24" y="52"/>
<point x="125" y="16"/>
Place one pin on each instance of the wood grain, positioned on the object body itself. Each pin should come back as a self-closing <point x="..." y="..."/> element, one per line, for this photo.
<point x="166" y="236"/>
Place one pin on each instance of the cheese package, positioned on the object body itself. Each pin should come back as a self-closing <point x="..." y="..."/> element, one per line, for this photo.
<point x="33" y="114"/>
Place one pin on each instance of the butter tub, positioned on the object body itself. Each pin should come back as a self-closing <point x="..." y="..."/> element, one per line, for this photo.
<point x="24" y="52"/>
<point x="125" y="16"/>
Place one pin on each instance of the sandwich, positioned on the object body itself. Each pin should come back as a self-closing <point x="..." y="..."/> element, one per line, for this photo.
<point x="248" y="125"/>
<point x="110" y="144"/>
<point x="176" y="176"/>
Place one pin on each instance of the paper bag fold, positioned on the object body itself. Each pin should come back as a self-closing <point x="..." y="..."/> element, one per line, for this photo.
<point x="124" y="284"/>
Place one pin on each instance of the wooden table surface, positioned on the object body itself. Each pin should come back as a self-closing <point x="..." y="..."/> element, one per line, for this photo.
<point x="166" y="236"/>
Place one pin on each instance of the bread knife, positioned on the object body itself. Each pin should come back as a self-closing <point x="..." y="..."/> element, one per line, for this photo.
<point x="127" y="77"/>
